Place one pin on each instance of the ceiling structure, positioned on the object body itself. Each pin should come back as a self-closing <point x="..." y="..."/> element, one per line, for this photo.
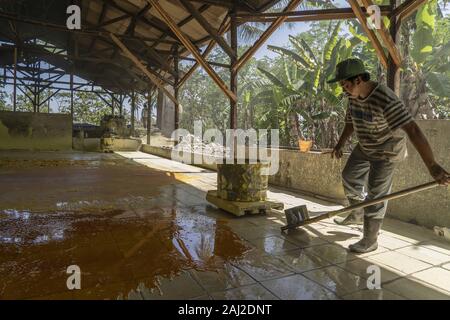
<point x="125" y="46"/>
<point x="91" y="54"/>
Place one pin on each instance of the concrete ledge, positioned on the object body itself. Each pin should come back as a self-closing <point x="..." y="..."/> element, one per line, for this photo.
<point x="116" y="144"/>
<point x="35" y="131"/>
<point x="319" y="175"/>
<point x="166" y="152"/>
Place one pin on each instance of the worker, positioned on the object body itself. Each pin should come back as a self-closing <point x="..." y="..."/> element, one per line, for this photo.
<point x="376" y="115"/>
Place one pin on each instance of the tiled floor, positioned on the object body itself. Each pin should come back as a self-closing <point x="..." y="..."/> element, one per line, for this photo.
<point x="139" y="227"/>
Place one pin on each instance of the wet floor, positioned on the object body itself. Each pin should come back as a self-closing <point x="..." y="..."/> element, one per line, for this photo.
<point x="139" y="227"/>
<point x="117" y="253"/>
<point x="126" y="226"/>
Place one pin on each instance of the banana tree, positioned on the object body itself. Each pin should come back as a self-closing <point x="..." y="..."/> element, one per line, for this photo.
<point x="426" y="55"/>
<point x="299" y="90"/>
<point x="427" y="69"/>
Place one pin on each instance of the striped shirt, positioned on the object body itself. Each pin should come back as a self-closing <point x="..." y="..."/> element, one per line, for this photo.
<point x="376" y="120"/>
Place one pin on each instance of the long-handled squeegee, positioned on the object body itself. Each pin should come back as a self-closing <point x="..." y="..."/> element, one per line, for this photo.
<point x="299" y="216"/>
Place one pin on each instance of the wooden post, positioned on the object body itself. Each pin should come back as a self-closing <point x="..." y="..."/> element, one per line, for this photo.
<point x="15" y="80"/>
<point x="233" y="71"/>
<point x="407" y="8"/>
<point x="176" y="88"/>
<point x="112" y="104"/>
<point x="38" y="89"/>
<point x="393" y="70"/>
<point x="71" y="92"/>
<point x="121" y="105"/>
<point x="48" y="105"/>
<point x="133" y="107"/>
<point x="233" y="80"/>
<point x="149" y="114"/>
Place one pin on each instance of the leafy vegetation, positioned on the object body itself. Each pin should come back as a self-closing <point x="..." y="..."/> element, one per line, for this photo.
<point x="289" y="91"/>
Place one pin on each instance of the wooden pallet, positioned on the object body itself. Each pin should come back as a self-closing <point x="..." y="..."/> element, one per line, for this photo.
<point x="240" y="208"/>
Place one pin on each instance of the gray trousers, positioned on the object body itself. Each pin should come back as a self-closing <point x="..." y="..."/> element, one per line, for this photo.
<point x="366" y="179"/>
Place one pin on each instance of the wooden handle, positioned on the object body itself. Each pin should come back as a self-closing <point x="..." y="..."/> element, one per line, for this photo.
<point x="391" y="196"/>
<point x="364" y="204"/>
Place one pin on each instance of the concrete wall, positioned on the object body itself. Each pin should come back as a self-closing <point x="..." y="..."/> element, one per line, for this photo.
<point x="166" y="113"/>
<point x="312" y="172"/>
<point x="35" y="131"/>
<point x="317" y="174"/>
<point x="87" y="144"/>
<point x="428" y="208"/>
<point x="116" y="144"/>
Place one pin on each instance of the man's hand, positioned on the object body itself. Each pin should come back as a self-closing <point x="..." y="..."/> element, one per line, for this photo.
<point x="337" y="152"/>
<point x="439" y="174"/>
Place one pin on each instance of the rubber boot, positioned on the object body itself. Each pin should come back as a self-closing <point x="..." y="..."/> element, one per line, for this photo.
<point x="369" y="241"/>
<point x="355" y="217"/>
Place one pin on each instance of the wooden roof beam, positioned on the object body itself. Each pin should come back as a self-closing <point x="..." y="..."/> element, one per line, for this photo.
<point x="153" y="22"/>
<point x="370" y="33"/>
<point x="112" y="21"/>
<point x="307" y="15"/>
<point x="208" y="28"/>
<point x="387" y="39"/>
<point x="269" y="31"/>
<point x="243" y="5"/>
<point x="134" y="19"/>
<point x="223" y="28"/>
<point x="87" y="31"/>
<point x="142" y="67"/>
<point x="407" y="8"/>
<point x="216" y="64"/>
<point x="100" y="19"/>
<point x="182" y="23"/>
<point x="163" y="63"/>
<point x="193" y="49"/>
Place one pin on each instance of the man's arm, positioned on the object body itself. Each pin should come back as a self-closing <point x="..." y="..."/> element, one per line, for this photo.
<point x="346" y="133"/>
<point x="422" y="146"/>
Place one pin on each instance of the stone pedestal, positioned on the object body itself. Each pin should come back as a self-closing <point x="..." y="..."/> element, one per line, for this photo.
<point x="242" y="182"/>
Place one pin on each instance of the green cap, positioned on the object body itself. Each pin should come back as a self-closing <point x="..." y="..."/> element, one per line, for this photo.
<point x="347" y="69"/>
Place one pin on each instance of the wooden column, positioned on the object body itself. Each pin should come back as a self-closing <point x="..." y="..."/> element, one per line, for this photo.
<point x="133" y="108"/>
<point x="71" y="92"/>
<point x="38" y="89"/>
<point x="121" y="105"/>
<point x="176" y="88"/>
<point x="15" y="80"/>
<point x="393" y="70"/>
<point x="149" y="113"/>
<point x="112" y="103"/>
<point x="233" y="71"/>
